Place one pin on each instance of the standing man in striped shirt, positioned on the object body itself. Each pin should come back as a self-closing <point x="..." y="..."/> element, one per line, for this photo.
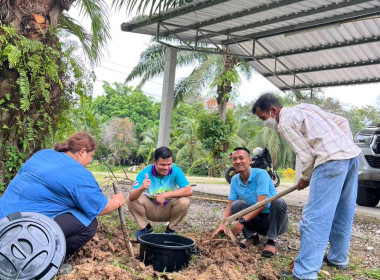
<point x="324" y="144"/>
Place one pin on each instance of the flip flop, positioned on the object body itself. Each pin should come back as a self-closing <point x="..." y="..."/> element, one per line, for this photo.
<point x="253" y="240"/>
<point x="269" y="251"/>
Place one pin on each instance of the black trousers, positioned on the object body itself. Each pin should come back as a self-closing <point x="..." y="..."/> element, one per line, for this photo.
<point x="272" y="225"/>
<point x="75" y="232"/>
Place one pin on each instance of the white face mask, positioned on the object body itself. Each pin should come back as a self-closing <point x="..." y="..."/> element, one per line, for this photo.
<point x="270" y="123"/>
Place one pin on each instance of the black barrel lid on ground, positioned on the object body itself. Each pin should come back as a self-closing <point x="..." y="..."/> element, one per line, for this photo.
<point x="32" y="246"/>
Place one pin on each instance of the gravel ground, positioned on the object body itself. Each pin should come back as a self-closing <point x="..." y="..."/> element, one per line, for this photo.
<point x="104" y="257"/>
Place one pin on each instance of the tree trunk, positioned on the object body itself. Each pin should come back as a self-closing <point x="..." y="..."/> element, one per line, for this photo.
<point x="22" y="130"/>
<point x="224" y="89"/>
<point x="192" y="144"/>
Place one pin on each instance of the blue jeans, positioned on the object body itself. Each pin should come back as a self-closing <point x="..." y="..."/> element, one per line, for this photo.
<point x="327" y="216"/>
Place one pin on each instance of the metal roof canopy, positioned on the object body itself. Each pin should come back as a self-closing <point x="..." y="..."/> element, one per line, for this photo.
<point x="295" y="44"/>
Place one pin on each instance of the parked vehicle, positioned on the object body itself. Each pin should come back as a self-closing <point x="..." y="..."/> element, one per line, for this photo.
<point x="368" y="140"/>
<point x="261" y="158"/>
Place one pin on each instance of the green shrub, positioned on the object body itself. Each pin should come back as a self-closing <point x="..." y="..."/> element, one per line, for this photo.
<point x="217" y="167"/>
<point x="200" y="167"/>
<point x="184" y="164"/>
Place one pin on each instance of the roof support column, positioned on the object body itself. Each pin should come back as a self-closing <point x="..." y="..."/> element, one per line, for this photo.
<point x="167" y="99"/>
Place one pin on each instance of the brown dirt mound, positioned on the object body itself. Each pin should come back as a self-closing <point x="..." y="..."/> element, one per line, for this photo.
<point x="106" y="257"/>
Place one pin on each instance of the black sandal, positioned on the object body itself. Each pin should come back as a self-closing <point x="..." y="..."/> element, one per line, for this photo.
<point x="253" y="240"/>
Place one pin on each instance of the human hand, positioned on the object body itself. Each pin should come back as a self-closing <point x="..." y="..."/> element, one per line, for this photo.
<point x="146" y="183"/>
<point x="161" y="198"/>
<point x="220" y="229"/>
<point x="238" y="227"/>
<point x="302" y="184"/>
<point x="120" y="198"/>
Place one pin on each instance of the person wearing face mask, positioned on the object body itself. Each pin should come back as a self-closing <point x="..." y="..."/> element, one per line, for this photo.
<point x="330" y="161"/>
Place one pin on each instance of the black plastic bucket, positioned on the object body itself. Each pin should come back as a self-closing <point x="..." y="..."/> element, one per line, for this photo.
<point x="32" y="246"/>
<point x="166" y="252"/>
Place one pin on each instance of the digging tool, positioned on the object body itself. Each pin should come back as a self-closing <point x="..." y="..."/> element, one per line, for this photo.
<point x="123" y="226"/>
<point x="237" y="215"/>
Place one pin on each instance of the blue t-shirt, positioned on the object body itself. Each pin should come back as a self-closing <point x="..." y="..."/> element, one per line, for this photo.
<point x="259" y="183"/>
<point x="160" y="184"/>
<point x="53" y="183"/>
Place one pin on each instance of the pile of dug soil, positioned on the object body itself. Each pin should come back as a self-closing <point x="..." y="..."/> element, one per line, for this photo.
<point x="106" y="257"/>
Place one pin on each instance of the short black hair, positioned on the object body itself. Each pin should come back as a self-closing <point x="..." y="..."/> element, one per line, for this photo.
<point x="242" y="148"/>
<point x="265" y="101"/>
<point x="162" y="152"/>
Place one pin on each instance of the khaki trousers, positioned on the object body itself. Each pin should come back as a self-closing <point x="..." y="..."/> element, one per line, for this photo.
<point x="144" y="210"/>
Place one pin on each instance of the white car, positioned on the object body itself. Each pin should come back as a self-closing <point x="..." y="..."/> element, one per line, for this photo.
<point x="368" y="140"/>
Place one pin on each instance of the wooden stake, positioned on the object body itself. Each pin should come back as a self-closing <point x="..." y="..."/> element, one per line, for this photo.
<point x="209" y="199"/>
<point x="123" y="226"/>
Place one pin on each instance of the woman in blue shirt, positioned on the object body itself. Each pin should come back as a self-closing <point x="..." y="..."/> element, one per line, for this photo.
<point x="57" y="184"/>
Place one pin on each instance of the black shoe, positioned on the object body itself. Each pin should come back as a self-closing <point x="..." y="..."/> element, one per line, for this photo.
<point x="169" y="231"/>
<point x="143" y="232"/>
<point x="287" y="275"/>
<point x="337" y="266"/>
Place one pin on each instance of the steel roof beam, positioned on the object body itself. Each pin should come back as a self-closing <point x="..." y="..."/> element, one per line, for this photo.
<point x="310" y="25"/>
<point x="318" y="48"/>
<point x="345" y="83"/>
<point x="177" y="12"/>
<point x="232" y="16"/>
<point x="289" y="17"/>
<point x="324" y="68"/>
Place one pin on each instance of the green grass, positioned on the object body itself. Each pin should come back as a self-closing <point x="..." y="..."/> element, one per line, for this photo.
<point x="101" y="171"/>
<point x="373" y="273"/>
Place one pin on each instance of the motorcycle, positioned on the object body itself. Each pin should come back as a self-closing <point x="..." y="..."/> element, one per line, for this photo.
<point x="262" y="159"/>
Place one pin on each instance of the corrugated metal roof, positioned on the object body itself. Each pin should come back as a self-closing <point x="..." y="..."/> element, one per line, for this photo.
<point x="295" y="44"/>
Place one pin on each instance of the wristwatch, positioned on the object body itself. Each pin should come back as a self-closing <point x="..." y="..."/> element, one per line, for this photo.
<point x="242" y="220"/>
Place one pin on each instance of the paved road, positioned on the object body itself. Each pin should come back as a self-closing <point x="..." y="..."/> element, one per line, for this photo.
<point x="296" y="198"/>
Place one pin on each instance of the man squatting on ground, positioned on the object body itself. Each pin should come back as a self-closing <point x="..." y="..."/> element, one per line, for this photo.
<point x="155" y="195"/>
<point x="251" y="186"/>
<point x="330" y="162"/>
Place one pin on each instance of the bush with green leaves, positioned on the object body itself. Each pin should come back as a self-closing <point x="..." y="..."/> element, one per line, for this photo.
<point x="200" y="167"/>
<point x="184" y="164"/>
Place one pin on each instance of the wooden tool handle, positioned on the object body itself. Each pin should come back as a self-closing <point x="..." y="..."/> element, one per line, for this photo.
<point x="258" y="205"/>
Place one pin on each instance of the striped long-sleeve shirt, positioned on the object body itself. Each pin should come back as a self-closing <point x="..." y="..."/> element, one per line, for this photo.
<point x="316" y="136"/>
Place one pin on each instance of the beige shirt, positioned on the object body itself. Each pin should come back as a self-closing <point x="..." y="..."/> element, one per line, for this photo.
<point x="316" y="136"/>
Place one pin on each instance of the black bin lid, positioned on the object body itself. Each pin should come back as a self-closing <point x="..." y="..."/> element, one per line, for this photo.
<point x="32" y="246"/>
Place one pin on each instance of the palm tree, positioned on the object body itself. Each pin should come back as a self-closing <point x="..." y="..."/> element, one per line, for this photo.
<point x="186" y="142"/>
<point x="37" y="80"/>
<point x="282" y="154"/>
<point x="149" y="143"/>
<point x="212" y="70"/>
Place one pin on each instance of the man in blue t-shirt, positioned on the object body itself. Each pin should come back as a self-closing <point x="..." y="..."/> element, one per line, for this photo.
<point x="248" y="187"/>
<point x="160" y="194"/>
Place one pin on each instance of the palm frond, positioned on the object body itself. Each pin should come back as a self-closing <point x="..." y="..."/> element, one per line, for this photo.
<point x="72" y="26"/>
<point x="97" y="11"/>
<point x="244" y="68"/>
<point x="142" y="6"/>
<point x="152" y="62"/>
<point x="200" y="78"/>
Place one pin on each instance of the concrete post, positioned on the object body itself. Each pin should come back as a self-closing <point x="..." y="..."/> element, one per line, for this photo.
<point x="298" y="161"/>
<point x="167" y="99"/>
